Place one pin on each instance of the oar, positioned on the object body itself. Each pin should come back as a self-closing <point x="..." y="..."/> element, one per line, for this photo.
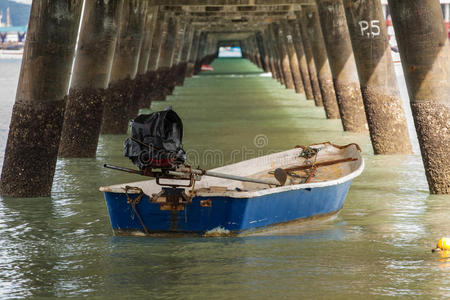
<point x="185" y="171"/>
<point x="281" y="174"/>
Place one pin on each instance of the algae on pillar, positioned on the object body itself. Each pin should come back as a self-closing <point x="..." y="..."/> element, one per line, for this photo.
<point x="311" y="18"/>
<point x="119" y="102"/>
<point x="382" y="102"/>
<point x="342" y="63"/>
<point x="37" y="117"/>
<point x="425" y="53"/>
<point x="90" y="78"/>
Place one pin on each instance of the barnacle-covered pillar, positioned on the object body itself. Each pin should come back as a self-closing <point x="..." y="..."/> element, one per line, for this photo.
<point x="425" y="53"/>
<point x="178" y="67"/>
<point x="263" y="51"/>
<point x="144" y="78"/>
<point x="276" y="53"/>
<point x="90" y="78"/>
<point x="37" y="117"/>
<point x="342" y="63"/>
<point x="119" y="101"/>
<point x="311" y="18"/>
<point x="185" y="53"/>
<point x="168" y="40"/>
<point x="155" y="92"/>
<point x="301" y="57"/>
<point x="200" y="52"/>
<point x="272" y="57"/>
<point x="280" y="37"/>
<point x="193" y="54"/>
<point x="310" y="59"/>
<point x="293" y="59"/>
<point x="383" y="106"/>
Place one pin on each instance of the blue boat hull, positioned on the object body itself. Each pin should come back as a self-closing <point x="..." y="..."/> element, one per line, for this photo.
<point x="234" y="215"/>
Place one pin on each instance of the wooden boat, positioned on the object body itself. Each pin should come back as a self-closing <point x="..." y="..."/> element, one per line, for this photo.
<point x="319" y="178"/>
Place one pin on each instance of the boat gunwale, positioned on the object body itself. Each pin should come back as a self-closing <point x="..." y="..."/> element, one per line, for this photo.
<point x="273" y="190"/>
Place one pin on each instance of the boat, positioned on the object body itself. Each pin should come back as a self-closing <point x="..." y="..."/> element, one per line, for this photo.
<point x="318" y="178"/>
<point x="206" y="68"/>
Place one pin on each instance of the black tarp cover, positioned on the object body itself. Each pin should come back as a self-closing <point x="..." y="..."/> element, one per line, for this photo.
<point x="154" y="138"/>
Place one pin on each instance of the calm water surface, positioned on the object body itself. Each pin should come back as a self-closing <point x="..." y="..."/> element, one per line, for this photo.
<point x="378" y="246"/>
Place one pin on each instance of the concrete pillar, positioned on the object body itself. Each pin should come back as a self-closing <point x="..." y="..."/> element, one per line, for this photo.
<point x="302" y="62"/>
<point x="293" y="59"/>
<point x="37" y="117"/>
<point x="280" y="37"/>
<point x="166" y="81"/>
<point x="315" y="35"/>
<point x="155" y="93"/>
<point x="200" y="52"/>
<point x="262" y="50"/>
<point x="145" y="78"/>
<point x="178" y="69"/>
<point x="193" y="54"/>
<point x="185" y="53"/>
<point x="120" y="104"/>
<point x="90" y="78"/>
<point x="270" y="51"/>
<point x="383" y="106"/>
<point x="276" y="53"/>
<point x="425" y="53"/>
<point x="342" y="63"/>
<point x="148" y="31"/>
<point x="255" y="51"/>
<point x="310" y="59"/>
<point x="156" y="41"/>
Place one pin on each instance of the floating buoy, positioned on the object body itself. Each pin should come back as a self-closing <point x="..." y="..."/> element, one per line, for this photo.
<point x="443" y="244"/>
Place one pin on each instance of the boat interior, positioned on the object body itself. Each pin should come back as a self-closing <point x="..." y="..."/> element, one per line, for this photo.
<point x="306" y="167"/>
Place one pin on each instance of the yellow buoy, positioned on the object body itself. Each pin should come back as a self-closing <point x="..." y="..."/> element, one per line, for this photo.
<point x="443" y="243"/>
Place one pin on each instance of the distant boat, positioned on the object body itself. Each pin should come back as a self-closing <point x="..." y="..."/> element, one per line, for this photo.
<point x="11" y="54"/>
<point x="207" y="68"/>
<point x="318" y="180"/>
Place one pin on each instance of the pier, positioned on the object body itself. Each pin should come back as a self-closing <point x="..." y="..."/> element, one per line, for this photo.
<point x="61" y="244"/>
<point x="131" y="53"/>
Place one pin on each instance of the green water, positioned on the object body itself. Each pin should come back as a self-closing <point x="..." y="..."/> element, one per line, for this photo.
<point x="378" y="246"/>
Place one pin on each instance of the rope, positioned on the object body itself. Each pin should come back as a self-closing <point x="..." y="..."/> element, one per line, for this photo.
<point x="133" y="202"/>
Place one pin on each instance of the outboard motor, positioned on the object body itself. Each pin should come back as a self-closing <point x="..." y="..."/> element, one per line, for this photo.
<point x="156" y="141"/>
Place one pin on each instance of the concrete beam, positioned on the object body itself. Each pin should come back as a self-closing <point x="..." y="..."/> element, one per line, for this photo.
<point x="230" y="9"/>
<point x="229" y="2"/>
